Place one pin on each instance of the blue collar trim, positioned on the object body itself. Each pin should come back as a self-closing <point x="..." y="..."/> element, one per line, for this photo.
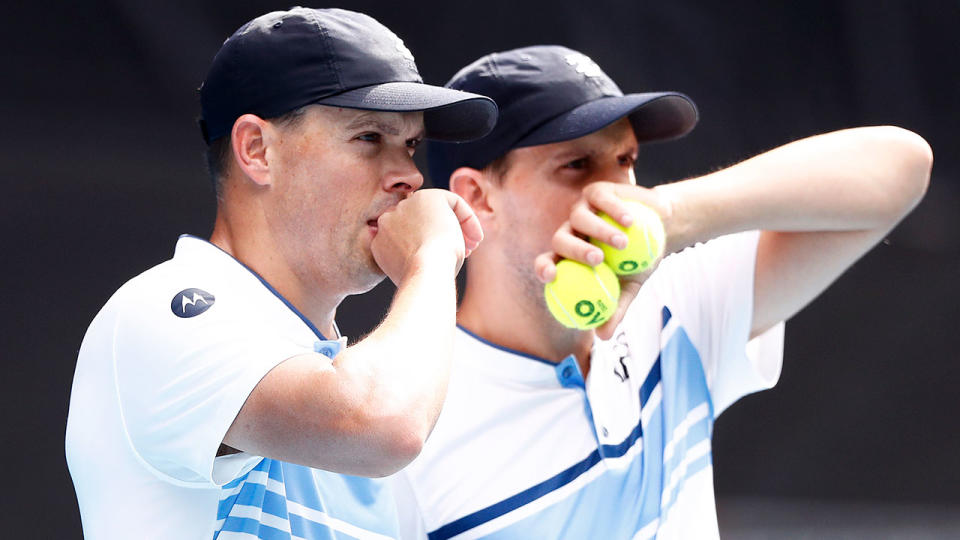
<point x="269" y="287"/>
<point x="507" y="349"/>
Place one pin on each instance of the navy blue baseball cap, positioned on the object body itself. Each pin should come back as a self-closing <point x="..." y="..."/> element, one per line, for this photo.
<point x="548" y="94"/>
<point x="287" y="59"/>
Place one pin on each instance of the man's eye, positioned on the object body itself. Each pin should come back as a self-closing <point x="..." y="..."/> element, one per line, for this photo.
<point x="414" y="143"/>
<point x="576" y="164"/>
<point x="627" y="161"/>
<point x="370" y="137"/>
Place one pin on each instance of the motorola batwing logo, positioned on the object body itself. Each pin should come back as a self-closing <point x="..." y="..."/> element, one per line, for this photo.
<point x="584" y="65"/>
<point x="191" y="302"/>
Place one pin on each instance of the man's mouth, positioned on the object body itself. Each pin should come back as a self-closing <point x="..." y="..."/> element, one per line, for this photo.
<point x="374" y="223"/>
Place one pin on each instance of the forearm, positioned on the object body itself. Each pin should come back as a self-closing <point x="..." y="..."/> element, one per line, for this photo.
<point x="369" y="410"/>
<point x="401" y="369"/>
<point x="821" y="202"/>
<point x="856" y="179"/>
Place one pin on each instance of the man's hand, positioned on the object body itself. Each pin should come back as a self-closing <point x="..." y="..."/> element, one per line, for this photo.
<point x="369" y="410"/>
<point x="571" y="241"/>
<point x="430" y="225"/>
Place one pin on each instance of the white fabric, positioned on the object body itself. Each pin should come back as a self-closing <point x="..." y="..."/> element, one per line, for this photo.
<point x="526" y="448"/>
<point x="710" y="289"/>
<point x="154" y="394"/>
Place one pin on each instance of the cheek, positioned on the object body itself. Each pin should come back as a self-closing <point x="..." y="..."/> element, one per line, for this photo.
<point x="535" y="218"/>
<point x="316" y="181"/>
<point x="554" y="205"/>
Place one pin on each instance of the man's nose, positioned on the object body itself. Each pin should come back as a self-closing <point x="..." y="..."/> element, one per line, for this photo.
<point x="404" y="178"/>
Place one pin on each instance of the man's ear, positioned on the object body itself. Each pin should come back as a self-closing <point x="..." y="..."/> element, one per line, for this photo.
<point x="473" y="186"/>
<point x="250" y="149"/>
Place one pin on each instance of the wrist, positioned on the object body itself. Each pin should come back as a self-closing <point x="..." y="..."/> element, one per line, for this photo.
<point x="678" y="218"/>
<point x="437" y="261"/>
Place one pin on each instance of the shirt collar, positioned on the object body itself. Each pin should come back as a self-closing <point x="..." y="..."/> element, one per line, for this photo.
<point x="503" y="362"/>
<point x="195" y="248"/>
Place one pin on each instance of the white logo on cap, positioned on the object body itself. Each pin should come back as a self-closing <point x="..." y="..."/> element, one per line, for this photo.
<point x="402" y="49"/>
<point x="584" y="65"/>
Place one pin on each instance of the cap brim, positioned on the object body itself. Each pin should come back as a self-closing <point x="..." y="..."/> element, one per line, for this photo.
<point x="448" y="115"/>
<point x="656" y="116"/>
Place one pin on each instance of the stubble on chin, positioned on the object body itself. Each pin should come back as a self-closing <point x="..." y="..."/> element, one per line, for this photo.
<point x="371" y="273"/>
<point x="531" y="290"/>
<point x="361" y="270"/>
<point x="344" y="270"/>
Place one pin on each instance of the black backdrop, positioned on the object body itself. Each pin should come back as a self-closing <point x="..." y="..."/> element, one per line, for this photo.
<point x="102" y="168"/>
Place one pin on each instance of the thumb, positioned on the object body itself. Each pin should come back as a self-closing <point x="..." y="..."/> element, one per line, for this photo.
<point x="469" y="222"/>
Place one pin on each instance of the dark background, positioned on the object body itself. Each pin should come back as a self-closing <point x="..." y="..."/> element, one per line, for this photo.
<point x="102" y="168"/>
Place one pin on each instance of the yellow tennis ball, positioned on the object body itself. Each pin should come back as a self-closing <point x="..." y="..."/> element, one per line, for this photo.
<point x="581" y="296"/>
<point x="645" y="241"/>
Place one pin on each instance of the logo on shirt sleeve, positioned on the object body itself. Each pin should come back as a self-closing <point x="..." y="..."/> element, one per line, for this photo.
<point x="191" y="302"/>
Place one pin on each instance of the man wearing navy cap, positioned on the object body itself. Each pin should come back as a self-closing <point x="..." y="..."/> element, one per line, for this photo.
<point x="213" y="395"/>
<point x="552" y="432"/>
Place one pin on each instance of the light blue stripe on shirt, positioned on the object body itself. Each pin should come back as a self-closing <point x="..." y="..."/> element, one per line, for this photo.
<point x="619" y="503"/>
<point x="364" y="503"/>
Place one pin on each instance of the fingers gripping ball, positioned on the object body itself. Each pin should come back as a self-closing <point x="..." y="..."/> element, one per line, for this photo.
<point x="645" y="240"/>
<point x="581" y="296"/>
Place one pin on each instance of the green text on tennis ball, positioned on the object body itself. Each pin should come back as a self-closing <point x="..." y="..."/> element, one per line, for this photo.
<point x="581" y="296"/>
<point x="645" y="240"/>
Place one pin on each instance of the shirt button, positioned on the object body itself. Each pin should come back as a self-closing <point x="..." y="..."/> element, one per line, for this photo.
<point x="567" y="372"/>
<point x="604" y="431"/>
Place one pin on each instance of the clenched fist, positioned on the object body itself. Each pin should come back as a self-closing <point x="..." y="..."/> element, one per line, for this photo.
<point x="432" y="226"/>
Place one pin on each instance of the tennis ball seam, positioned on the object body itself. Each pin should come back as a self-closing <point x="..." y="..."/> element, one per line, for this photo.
<point x="596" y="276"/>
<point x="647" y="231"/>
<point x="573" y="322"/>
<point x="567" y="318"/>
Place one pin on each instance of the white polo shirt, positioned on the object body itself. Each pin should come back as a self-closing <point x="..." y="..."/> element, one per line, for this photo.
<point x="162" y="373"/>
<point x="525" y="448"/>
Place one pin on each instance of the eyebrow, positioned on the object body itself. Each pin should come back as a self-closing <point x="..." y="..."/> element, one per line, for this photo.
<point x="591" y="153"/>
<point x="575" y="153"/>
<point x="368" y="121"/>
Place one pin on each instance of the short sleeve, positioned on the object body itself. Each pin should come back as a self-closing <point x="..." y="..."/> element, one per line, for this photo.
<point x="709" y="287"/>
<point x="182" y="381"/>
